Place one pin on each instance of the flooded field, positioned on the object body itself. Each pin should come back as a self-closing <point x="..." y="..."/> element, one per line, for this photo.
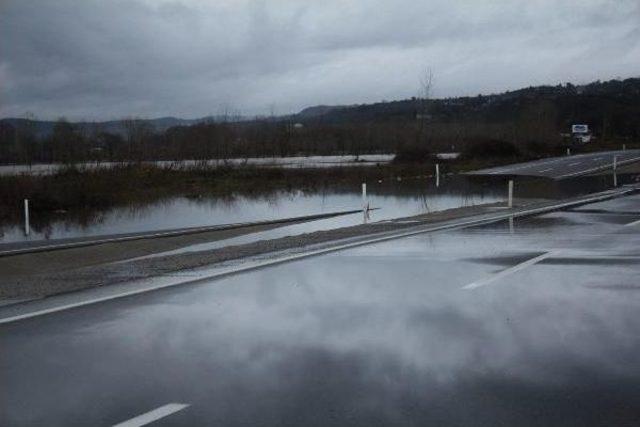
<point x="284" y="162"/>
<point x="392" y="200"/>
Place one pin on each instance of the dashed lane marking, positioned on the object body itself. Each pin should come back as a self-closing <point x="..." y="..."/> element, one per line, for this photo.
<point x="631" y="224"/>
<point x="151" y="416"/>
<point x="508" y="271"/>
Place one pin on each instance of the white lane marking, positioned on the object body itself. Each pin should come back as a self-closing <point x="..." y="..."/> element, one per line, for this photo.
<point x="526" y="165"/>
<point x="575" y="163"/>
<point x="602" y="167"/>
<point x="537" y="163"/>
<point x="610" y="257"/>
<point x="631" y="224"/>
<point x="546" y="170"/>
<point x="508" y="271"/>
<point x="152" y="416"/>
<point x="381" y="237"/>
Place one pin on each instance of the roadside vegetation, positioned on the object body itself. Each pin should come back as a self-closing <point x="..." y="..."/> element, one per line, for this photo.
<point x="87" y="191"/>
<point x="83" y="192"/>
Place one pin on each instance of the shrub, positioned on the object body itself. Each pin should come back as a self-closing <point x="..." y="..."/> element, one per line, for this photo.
<point x="412" y="154"/>
<point x="491" y="148"/>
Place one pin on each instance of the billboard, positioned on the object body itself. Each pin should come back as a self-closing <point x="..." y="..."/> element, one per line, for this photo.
<point x="580" y="129"/>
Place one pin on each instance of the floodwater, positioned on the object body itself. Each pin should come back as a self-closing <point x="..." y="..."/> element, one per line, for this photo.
<point x="394" y="200"/>
<point x="385" y="334"/>
<point x="283" y="162"/>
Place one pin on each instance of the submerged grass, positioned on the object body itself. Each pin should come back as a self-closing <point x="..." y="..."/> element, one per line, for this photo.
<point x="86" y="191"/>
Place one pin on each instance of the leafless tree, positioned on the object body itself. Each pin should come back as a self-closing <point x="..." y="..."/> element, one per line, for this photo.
<point x="67" y="142"/>
<point x="422" y="114"/>
<point x="138" y="132"/>
<point x="25" y="139"/>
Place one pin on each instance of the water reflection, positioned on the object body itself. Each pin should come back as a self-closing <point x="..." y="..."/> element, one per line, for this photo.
<point x="280" y="162"/>
<point x="395" y="199"/>
<point x="379" y="335"/>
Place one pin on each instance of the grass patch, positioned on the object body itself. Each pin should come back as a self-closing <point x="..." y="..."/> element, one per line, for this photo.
<point x="87" y="191"/>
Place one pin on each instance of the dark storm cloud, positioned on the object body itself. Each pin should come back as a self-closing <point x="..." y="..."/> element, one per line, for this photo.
<point x="110" y="58"/>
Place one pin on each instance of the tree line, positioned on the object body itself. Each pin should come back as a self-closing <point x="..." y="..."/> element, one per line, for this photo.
<point x="69" y="143"/>
<point x="532" y="119"/>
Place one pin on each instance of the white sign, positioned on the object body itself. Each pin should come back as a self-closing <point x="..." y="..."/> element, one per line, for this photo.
<point x="580" y="129"/>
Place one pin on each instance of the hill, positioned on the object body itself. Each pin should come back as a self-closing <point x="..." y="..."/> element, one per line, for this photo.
<point x="530" y="120"/>
<point x="612" y="106"/>
<point x="43" y="128"/>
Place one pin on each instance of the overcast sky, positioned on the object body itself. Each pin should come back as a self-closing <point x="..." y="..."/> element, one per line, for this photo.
<point x="103" y="59"/>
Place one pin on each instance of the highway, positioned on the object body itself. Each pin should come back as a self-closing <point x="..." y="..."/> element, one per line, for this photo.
<point x="525" y="322"/>
<point x="566" y="166"/>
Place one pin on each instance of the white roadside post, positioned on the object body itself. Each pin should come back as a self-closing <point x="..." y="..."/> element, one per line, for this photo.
<point x="365" y="204"/>
<point x="26" y="217"/>
<point x="437" y="175"/>
<point x="510" y="202"/>
<point x="568" y="151"/>
<point x="624" y="147"/>
<point x="615" y="172"/>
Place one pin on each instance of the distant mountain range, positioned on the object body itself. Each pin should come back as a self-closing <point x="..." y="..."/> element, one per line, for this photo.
<point x="44" y="128"/>
<point x="614" y="103"/>
<point x="318" y="111"/>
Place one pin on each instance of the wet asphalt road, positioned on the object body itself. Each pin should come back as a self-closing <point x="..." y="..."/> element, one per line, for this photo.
<point x="567" y="166"/>
<point x="530" y="323"/>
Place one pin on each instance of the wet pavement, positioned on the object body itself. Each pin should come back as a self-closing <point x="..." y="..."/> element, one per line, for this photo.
<point x="531" y="322"/>
<point x="566" y="166"/>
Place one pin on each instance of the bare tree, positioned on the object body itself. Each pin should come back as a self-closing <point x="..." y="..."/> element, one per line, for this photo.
<point x="138" y="132"/>
<point x="25" y="139"/>
<point x="422" y="114"/>
<point x="66" y="142"/>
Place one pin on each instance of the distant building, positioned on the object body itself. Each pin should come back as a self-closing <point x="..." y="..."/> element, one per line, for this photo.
<point x="298" y="126"/>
